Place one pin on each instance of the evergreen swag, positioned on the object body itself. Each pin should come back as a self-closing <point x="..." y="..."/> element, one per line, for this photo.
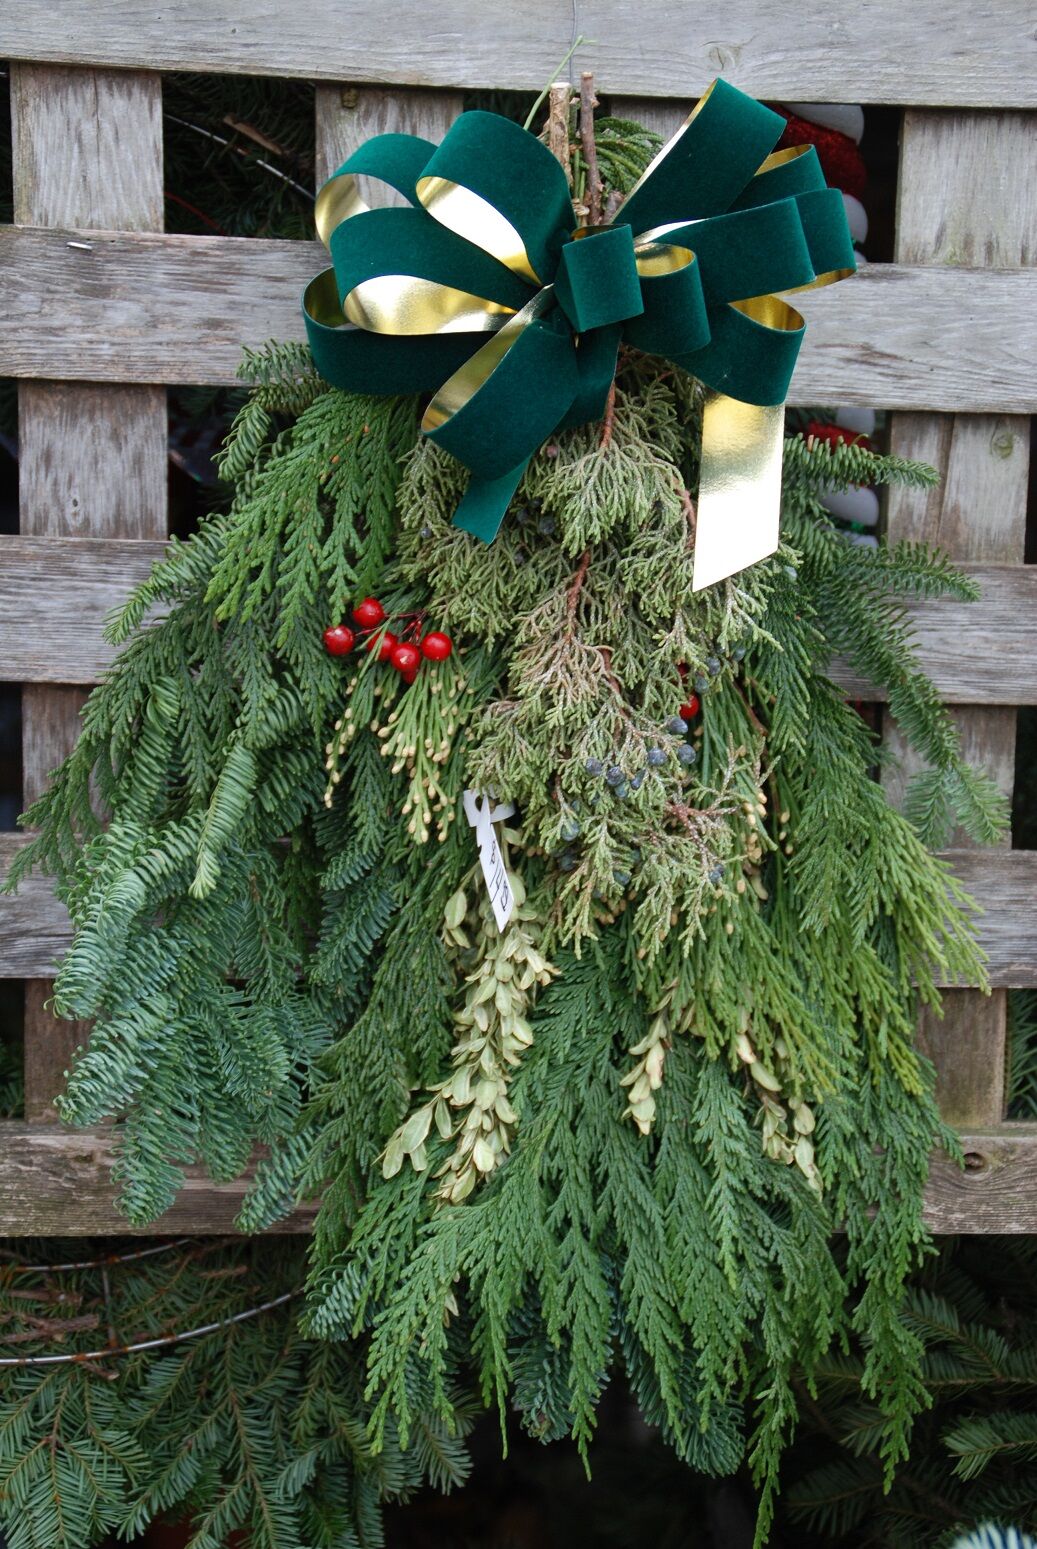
<point x="672" y="1119"/>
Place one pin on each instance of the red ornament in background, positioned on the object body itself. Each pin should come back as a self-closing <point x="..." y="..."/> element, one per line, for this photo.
<point x="369" y="613"/>
<point x="836" y="435"/>
<point x="841" y="161"/>
<point x="691" y="709"/>
<point x="405" y="657"/>
<point x="384" y="642"/>
<point x="339" y="640"/>
<point x="436" y="646"/>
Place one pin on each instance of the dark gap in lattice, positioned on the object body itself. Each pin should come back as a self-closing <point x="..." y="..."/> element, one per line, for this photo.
<point x="10" y="755"/>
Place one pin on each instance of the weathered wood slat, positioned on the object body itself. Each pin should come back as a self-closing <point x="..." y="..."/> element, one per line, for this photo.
<point x="1003" y="884"/>
<point x="967" y="195"/>
<point x="76" y="580"/>
<point x="34" y="929"/>
<point x="996" y="1192"/>
<point x="347" y="116"/>
<point x="87" y="150"/>
<point x="977" y="55"/>
<point x="34" y="925"/>
<point x="977" y="653"/>
<point x="142" y="307"/>
<point x="54" y="1182"/>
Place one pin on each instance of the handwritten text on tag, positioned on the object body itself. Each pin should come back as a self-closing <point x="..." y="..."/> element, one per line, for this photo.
<point x="482" y="814"/>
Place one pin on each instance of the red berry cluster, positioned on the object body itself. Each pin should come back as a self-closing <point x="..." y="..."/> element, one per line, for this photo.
<point x="403" y="654"/>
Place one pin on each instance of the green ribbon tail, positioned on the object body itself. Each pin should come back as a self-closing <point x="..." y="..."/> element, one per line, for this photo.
<point x="485" y="501"/>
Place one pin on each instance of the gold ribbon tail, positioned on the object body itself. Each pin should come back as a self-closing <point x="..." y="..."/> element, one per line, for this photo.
<point x="739" y="504"/>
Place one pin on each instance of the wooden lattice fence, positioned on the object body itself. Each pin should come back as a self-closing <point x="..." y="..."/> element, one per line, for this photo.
<point x="99" y="310"/>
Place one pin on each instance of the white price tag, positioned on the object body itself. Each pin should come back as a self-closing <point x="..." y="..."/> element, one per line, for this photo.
<point x="482" y="814"/>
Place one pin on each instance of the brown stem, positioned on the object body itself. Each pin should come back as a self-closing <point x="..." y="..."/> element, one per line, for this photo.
<point x="754" y="718"/>
<point x="683" y="815"/>
<point x="609" y="421"/>
<point x="605" y="653"/>
<point x="612" y="204"/>
<point x="689" y="512"/>
<point x="588" y="102"/>
<point x="576" y="584"/>
<point x="558" y="126"/>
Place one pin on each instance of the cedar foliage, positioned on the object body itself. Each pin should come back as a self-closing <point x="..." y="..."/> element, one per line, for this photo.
<point x="649" y="1141"/>
<point x="264" y="966"/>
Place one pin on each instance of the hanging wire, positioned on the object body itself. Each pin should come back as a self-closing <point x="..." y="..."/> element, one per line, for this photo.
<point x="159" y="1343"/>
<point x="108" y="1258"/>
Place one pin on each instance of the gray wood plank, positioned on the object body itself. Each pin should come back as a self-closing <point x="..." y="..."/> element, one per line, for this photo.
<point x="967" y="194"/>
<point x="34" y="929"/>
<point x="87" y="150"/>
<point x="87" y="147"/>
<point x="1003" y="884"/>
<point x="983" y="461"/>
<point x="966" y="1045"/>
<point x="977" y="653"/>
<point x="93" y="456"/>
<point x="972" y="55"/>
<point x="34" y="925"/>
<point x="77" y="580"/>
<point x="54" y="1182"/>
<point x="179" y="309"/>
<point x="346" y="116"/>
<point x="996" y="1192"/>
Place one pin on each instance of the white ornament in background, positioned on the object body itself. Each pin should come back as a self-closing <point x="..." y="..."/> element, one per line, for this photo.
<point x="859" y="505"/>
<point x="856" y="218"/>
<point x="840" y="116"/>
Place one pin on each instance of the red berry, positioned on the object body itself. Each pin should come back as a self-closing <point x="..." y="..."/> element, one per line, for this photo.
<point x="691" y="709"/>
<point x="339" y="640"/>
<point x="384" y="642"/>
<point x="405" y="657"/>
<point x="369" y="613"/>
<point x="437" y="646"/>
<point x="408" y="677"/>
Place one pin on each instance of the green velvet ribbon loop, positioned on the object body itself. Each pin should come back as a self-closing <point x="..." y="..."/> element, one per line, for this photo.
<point x="385" y="241"/>
<point x="484" y="294"/>
<point x="597" y="282"/>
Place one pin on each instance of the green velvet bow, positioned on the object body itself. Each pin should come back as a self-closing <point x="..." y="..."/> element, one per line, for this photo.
<point x="687" y="270"/>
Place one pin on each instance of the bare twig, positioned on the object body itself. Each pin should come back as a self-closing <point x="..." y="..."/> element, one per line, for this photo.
<point x="690" y="516"/>
<point x="612" y="204"/>
<point x="241" y="151"/>
<point x="575" y="585"/>
<point x="588" y="102"/>
<point x="559" y="98"/>
<point x="608" y="423"/>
